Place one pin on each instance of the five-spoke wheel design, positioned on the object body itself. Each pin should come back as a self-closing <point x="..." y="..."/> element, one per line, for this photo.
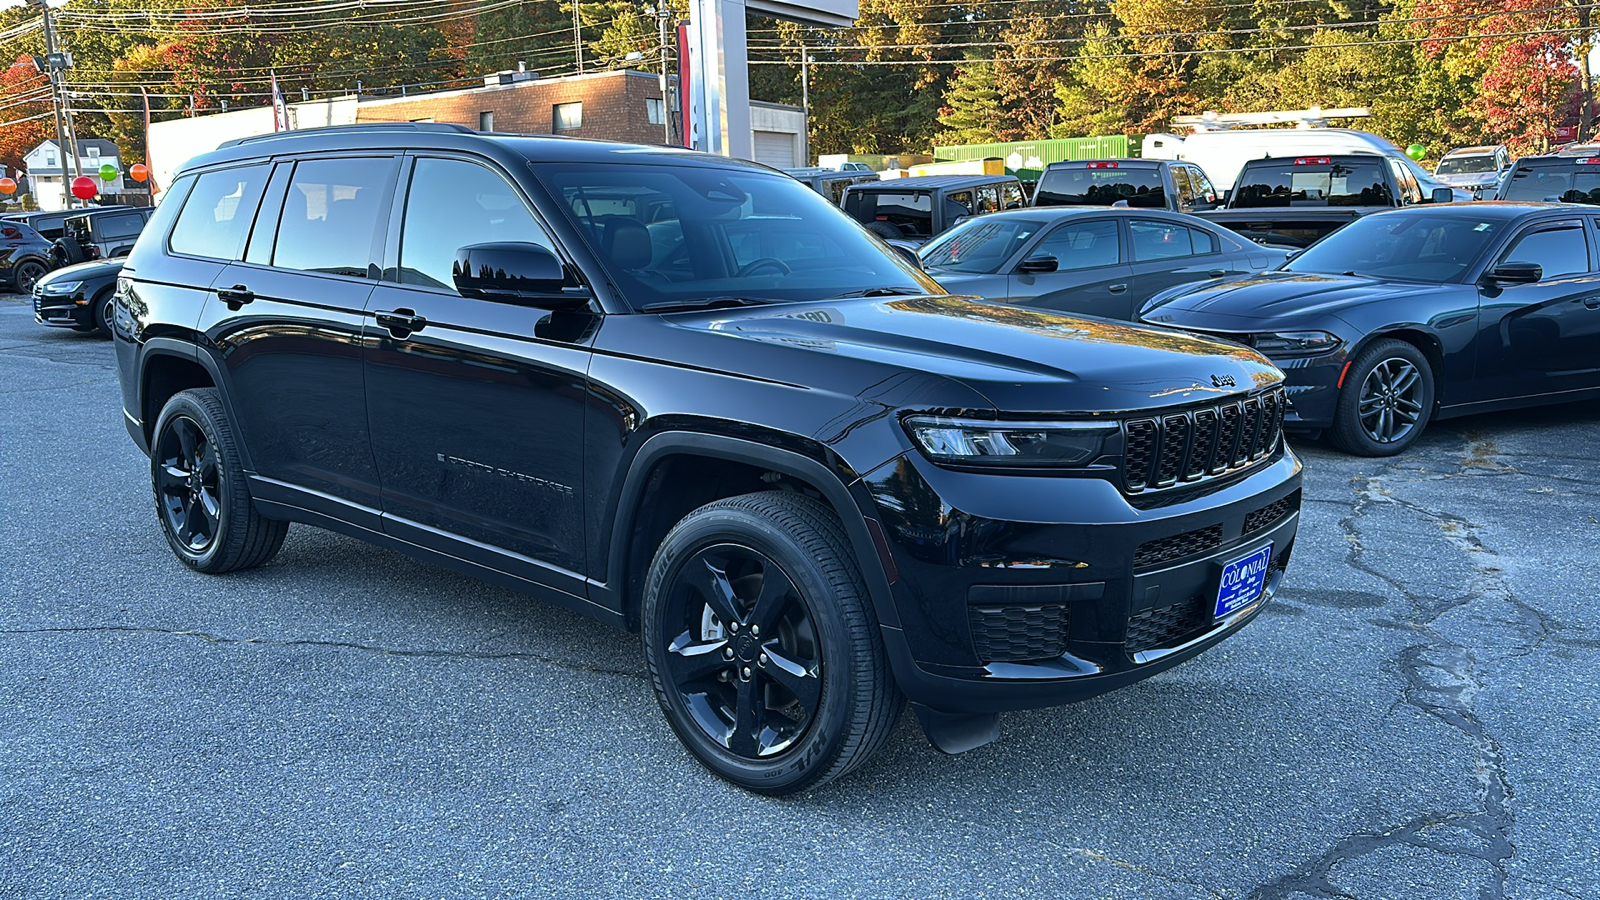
<point x="28" y="273"/>
<point x="1385" y="400"/>
<point x="1391" y="400"/>
<point x="202" y="497"/>
<point x="187" y="483"/>
<point x="746" y="662"/>
<point x="762" y="643"/>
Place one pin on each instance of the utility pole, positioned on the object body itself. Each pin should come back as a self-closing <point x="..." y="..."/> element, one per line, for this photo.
<point x="54" y="66"/>
<point x="1585" y="89"/>
<point x="664" y="13"/>
<point x="805" y="102"/>
<point x="577" y="32"/>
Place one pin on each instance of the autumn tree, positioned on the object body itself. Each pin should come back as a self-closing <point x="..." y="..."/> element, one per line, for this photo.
<point x="25" y="106"/>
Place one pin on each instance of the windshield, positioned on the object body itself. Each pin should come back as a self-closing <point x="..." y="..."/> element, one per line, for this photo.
<point x="676" y="233"/>
<point x="1314" y="184"/>
<point x="1414" y="246"/>
<point x="1101" y="187"/>
<point x="979" y="246"/>
<point x="1567" y="184"/>
<point x="1467" y="165"/>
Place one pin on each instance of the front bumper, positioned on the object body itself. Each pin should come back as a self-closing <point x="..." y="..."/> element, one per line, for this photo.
<point x="1046" y="605"/>
<point x="64" y="310"/>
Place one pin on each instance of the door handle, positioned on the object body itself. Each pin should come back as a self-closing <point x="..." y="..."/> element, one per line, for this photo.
<point x="1591" y="302"/>
<point x="1216" y="273"/>
<point x="401" y="322"/>
<point x="1117" y="288"/>
<point x="236" y="296"/>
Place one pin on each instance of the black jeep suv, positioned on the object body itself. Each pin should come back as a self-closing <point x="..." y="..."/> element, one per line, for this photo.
<point x="687" y="396"/>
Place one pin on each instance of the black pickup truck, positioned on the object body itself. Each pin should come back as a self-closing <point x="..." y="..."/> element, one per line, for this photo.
<point x="1293" y="201"/>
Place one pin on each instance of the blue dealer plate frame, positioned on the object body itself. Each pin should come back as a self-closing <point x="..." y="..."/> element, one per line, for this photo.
<point x="1243" y="582"/>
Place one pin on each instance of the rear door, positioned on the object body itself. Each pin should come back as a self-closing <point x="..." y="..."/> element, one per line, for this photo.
<point x="1169" y="252"/>
<point x="287" y="324"/>
<point x="115" y="234"/>
<point x="1092" y="274"/>
<point x="1543" y="338"/>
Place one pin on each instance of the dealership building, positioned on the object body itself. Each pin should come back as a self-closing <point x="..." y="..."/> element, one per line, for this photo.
<point x="615" y="105"/>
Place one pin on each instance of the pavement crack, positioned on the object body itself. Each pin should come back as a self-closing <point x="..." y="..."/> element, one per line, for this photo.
<point x="336" y="645"/>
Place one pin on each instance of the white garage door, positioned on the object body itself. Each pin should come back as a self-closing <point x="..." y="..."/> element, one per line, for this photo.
<point x="775" y="148"/>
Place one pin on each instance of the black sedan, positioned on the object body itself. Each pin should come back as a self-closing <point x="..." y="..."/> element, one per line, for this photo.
<point x="1096" y="261"/>
<point x="24" y="257"/>
<point x="1419" y="313"/>
<point x="78" y="297"/>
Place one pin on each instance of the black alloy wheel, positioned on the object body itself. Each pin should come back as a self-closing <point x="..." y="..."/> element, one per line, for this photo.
<point x="762" y="645"/>
<point x="202" y="499"/>
<point x="1386" y="401"/>
<point x="746" y="664"/>
<point x="187" y="483"/>
<point x="28" y="274"/>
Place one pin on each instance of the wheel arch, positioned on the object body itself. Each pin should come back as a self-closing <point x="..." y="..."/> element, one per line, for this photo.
<point x="1417" y="336"/>
<point x="676" y="472"/>
<point x="168" y="366"/>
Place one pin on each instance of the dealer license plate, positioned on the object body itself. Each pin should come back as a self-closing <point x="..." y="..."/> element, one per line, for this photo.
<point x="1243" y="580"/>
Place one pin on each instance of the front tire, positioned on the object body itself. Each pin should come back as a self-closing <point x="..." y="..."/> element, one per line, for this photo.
<point x="202" y="498"/>
<point x="1386" y="401"/>
<point x="105" y="304"/>
<point x="27" y="274"/>
<point x="762" y="645"/>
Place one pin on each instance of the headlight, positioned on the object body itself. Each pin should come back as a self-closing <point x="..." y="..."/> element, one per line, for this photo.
<point x="62" y="287"/>
<point x="1015" y="444"/>
<point x="1296" y="343"/>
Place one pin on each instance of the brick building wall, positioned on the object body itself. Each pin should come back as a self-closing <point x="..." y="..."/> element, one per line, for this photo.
<point x="613" y="106"/>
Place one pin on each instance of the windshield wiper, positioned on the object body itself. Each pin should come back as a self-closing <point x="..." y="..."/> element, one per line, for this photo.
<point x="703" y="303"/>
<point x="881" y="292"/>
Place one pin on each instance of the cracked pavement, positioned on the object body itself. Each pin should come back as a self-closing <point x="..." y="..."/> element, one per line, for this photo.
<point x="1414" y="717"/>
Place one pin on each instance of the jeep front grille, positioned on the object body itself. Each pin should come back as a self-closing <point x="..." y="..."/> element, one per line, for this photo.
<point x="1201" y="443"/>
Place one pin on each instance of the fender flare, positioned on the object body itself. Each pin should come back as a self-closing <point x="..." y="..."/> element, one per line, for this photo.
<point x="189" y="351"/>
<point x="834" y="492"/>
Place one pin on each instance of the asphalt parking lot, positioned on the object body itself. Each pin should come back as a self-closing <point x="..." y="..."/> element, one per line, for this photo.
<point x="1416" y="716"/>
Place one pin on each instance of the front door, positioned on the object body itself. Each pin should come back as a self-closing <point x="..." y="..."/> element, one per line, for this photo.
<point x="476" y="406"/>
<point x="1092" y="275"/>
<point x="1543" y="338"/>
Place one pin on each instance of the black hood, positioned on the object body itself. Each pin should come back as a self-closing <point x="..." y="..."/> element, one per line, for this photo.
<point x="1277" y="299"/>
<point x="1021" y="360"/>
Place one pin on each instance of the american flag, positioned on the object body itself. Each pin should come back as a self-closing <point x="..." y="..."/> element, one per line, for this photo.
<point x="280" y="109"/>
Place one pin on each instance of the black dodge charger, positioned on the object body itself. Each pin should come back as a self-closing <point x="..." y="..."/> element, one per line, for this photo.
<point x="1418" y="313"/>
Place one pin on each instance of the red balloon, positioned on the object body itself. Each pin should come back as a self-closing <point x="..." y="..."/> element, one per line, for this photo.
<point x="83" y="188"/>
<point x="7" y="186"/>
<point x="139" y="172"/>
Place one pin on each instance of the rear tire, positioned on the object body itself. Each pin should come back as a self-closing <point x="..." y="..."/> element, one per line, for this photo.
<point x="762" y="645"/>
<point x="202" y="499"/>
<point x="1386" y="401"/>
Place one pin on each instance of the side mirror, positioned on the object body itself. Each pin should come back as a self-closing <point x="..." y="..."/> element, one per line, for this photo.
<point x="1442" y="195"/>
<point x="1036" y="264"/>
<point x="513" y="272"/>
<point x="1516" y="273"/>
<point x="907" y="251"/>
<point x="1293" y="253"/>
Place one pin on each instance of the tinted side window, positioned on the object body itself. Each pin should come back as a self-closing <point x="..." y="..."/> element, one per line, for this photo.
<point x="218" y="212"/>
<point x="331" y="214"/>
<point x="1082" y="246"/>
<point x="1180" y="177"/>
<point x="112" y="227"/>
<point x="1167" y="240"/>
<point x="453" y="203"/>
<point x="1559" y="251"/>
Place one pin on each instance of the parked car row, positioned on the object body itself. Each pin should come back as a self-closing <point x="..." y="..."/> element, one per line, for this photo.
<point x="35" y="243"/>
